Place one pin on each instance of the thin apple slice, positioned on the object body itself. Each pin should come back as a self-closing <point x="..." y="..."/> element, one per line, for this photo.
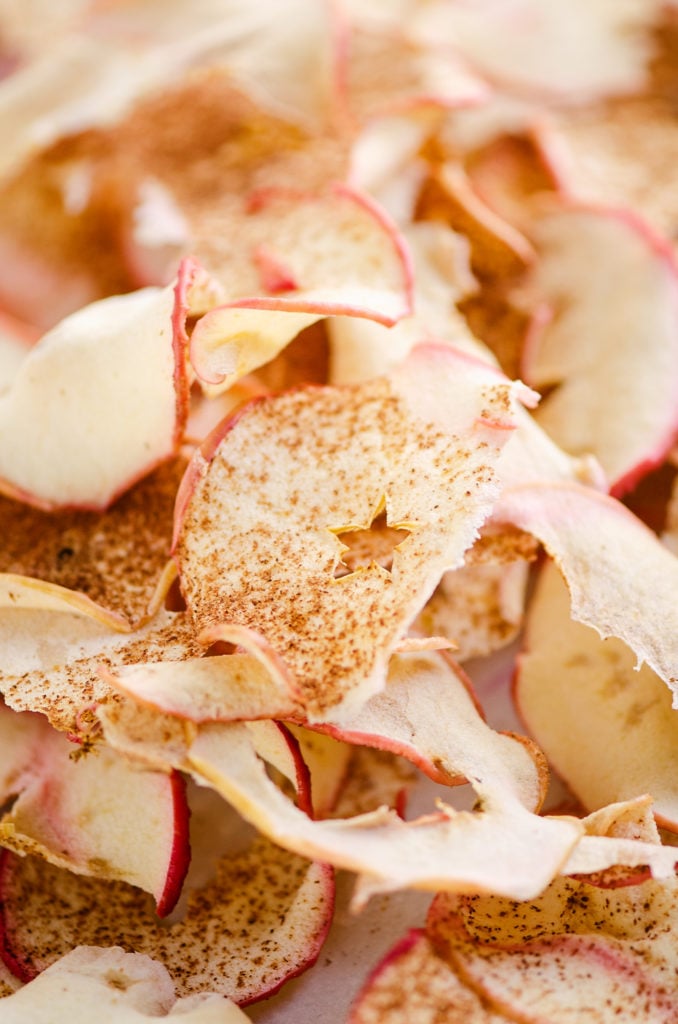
<point x="607" y="591"/>
<point x="98" y="815"/>
<point x="326" y="462"/>
<point x="82" y="427"/>
<point x="610" y="732"/>
<point x="413" y="985"/>
<point x="571" y="56"/>
<point x="64" y="674"/>
<point x="117" y="559"/>
<point x="574" y="947"/>
<point x="115" y="988"/>
<point x="611" y="350"/>
<point x="260" y="922"/>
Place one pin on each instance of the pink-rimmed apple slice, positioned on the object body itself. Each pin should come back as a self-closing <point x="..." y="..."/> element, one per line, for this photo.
<point x="112" y="565"/>
<point x="610" y="352"/>
<point x="574" y="947"/>
<point x="301" y="257"/>
<point x="541" y="50"/>
<point x="609" y="731"/>
<point x="100" y="814"/>
<point x="590" y="536"/>
<point x="265" y="503"/>
<point x="259" y="922"/>
<point x="96" y="405"/>
<point x="115" y="987"/>
<point x="63" y="675"/>
<point x="413" y="985"/>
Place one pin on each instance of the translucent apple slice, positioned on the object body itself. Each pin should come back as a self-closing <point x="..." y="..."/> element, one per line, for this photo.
<point x="611" y="351"/>
<point x="114" y="987"/>
<point x="576" y="55"/>
<point x="260" y="922"/>
<point x="115" y="564"/>
<point x="61" y="674"/>
<point x="573" y="948"/>
<point x="95" y="405"/>
<point x="609" y="591"/>
<point x="98" y="815"/>
<point x="264" y="506"/>
<point x="609" y="731"/>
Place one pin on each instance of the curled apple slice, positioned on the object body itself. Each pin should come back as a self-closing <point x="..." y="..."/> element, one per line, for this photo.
<point x="260" y="922"/>
<point x="97" y="404"/>
<point x="98" y="815"/>
<point x="116" y="988"/>
<point x="607" y="591"/>
<point x="609" y="731"/>
<point x="267" y="503"/>
<point x="610" y="352"/>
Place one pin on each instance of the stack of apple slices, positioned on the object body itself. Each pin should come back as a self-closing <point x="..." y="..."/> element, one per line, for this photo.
<point x="324" y="363"/>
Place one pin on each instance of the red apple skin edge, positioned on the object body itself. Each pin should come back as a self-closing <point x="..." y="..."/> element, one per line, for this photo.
<point x="180" y="856"/>
<point x="20" y="969"/>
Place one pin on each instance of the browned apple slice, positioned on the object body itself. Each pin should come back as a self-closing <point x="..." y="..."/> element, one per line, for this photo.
<point x="98" y="429"/>
<point x="610" y="352"/>
<point x="260" y="922"/>
<point x="98" y="815"/>
<point x="116" y="988"/>
<point x="117" y="560"/>
<point x="607" y="590"/>
<point x="290" y="476"/>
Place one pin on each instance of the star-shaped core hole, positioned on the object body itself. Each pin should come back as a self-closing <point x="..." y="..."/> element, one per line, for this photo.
<point x="363" y="547"/>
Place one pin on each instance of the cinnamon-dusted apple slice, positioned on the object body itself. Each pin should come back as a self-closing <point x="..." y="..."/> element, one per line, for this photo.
<point x="96" y="405"/>
<point x="99" y="815"/>
<point x="62" y="675"/>
<point x="260" y="922"/>
<point x="608" y="590"/>
<point x="572" y="56"/>
<point x="610" y="352"/>
<point x="573" y="948"/>
<point x="115" y="563"/>
<point x="114" y="987"/>
<point x="609" y="731"/>
<point x="270" y="500"/>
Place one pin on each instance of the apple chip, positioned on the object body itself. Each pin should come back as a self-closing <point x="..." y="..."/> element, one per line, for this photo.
<point x="571" y="685"/>
<point x="83" y="427"/>
<point x="610" y="353"/>
<point x="115" y="987"/>
<point x="261" y="921"/>
<point x="99" y="814"/>
<point x="267" y="503"/>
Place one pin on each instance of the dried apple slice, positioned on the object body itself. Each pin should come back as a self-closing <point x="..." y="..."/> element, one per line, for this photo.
<point x="69" y="445"/>
<point x="334" y="459"/>
<point x="260" y="922"/>
<point x="116" y="988"/>
<point x="570" y="56"/>
<point x="574" y="947"/>
<point x="62" y="675"/>
<point x="610" y="353"/>
<point x="117" y="560"/>
<point x="99" y="815"/>
<point x="610" y="732"/>
<point x="606" y="590"/>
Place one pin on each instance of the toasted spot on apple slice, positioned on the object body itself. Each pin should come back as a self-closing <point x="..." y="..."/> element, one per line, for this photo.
<point x="610" y="352"/>
<point x="95" y="405"/>
<point x="609" y="731"/>
<point x="261" y="505"/>
<point x="111" y="985"/>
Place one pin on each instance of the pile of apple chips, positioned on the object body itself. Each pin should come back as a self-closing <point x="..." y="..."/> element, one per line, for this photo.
<point x="338" y="350"/>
